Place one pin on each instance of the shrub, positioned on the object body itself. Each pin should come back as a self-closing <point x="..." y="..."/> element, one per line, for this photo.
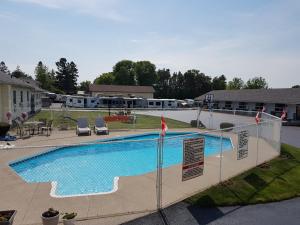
<point x="194" y="124"/>
<point x="69" y="216"/>
<point x="226" y="126"/>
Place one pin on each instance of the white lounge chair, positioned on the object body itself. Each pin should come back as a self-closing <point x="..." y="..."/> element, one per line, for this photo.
<point x="100" y="126"/>
<point x="83" y="127"/>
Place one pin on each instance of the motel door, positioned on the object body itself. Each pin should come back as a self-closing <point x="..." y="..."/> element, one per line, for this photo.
<point x="298" y="112"/>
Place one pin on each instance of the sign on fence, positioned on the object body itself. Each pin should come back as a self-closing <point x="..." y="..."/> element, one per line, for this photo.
<point x="243" y="139"/>
<point x="193" y="158"/>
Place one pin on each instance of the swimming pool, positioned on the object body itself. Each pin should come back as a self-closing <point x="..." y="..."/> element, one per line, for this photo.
<point x="95" y="168"/>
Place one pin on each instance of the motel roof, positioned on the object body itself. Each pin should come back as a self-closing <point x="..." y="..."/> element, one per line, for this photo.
<point x="10" y="80"/>
<point x="278" y="95"/>
<point x="121" y="88"/>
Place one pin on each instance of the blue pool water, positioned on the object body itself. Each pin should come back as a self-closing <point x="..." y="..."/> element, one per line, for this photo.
<point x="89" y="169"/>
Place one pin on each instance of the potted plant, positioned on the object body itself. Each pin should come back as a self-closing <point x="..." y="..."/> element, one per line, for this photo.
<point x="7" y="217"/>
<point x="50" y="217"/>
<point x="69" y="218"/>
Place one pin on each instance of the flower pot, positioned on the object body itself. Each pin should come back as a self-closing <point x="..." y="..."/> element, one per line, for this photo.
<point x="9" y="216"/>
<point x="69" y="222"/>
<point x="50" y="220"/>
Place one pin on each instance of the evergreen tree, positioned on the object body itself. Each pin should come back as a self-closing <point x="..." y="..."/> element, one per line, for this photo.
<point x="66" y="76"/>
<point x="3" y="68"/>
<point x="42" y="76"/>
<point x="162" y="89"/>
<point x="18" y="73"/>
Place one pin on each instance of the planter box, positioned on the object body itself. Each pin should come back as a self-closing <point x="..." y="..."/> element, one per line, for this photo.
<point x="4" y="128"/>
<point x="10" y="215"/>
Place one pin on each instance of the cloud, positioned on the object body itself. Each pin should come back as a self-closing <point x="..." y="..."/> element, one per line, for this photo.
<point x="8" y="15"/>
<point x="103" y="9"/>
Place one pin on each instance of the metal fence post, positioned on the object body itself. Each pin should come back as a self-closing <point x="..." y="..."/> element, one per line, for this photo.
<point x="221" y="156"/>
<point x="257" y="144"/>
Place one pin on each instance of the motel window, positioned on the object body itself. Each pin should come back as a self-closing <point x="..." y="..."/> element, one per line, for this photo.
<point x="259" y="106"/>
<point x="169" y="104"/>
<point x="216" y="105"/>
<point x="242" y="105"/>
<point x="150" y="103"/>
<point x="105" y="101"/>
<point x="158" y="103"/>
<point x="279" y="107"/>
<point x="228" y="105"/>
<point x="15" y="97"/>
<point x="78" y="101"/>
<point x="92" y="101"/>
<point x="70" y="100"/>
<point x="21" y="94"/>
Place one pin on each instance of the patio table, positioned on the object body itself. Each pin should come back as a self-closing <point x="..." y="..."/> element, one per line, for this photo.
<point x="32" y="125"/>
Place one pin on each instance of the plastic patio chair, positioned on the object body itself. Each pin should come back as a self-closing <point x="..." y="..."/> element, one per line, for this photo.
<point x="100" y="126"/>
<point x="83" y="127"/>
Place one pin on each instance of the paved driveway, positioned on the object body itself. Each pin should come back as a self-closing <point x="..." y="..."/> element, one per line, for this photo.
<point x="289" y="135"/>
<point x="278" y="213"/>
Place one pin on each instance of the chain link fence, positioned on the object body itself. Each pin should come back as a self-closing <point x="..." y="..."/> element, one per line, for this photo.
<point x="116" y="177"/>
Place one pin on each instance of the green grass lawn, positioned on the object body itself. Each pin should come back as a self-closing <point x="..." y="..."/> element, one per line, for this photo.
<point x="279" y="179"/>
<point x="142" y="122"/>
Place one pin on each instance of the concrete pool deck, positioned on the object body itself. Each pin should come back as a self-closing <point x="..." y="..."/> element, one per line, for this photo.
<point x="136" y="195"/>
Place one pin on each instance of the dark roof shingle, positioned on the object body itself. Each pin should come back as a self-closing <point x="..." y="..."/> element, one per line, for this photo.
<point x="121" y="88"/>
<point x="279" y="95"/>
<point x="7" y="79"/>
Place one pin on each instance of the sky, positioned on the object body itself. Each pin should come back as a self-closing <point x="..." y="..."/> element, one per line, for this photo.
<point x="237" y="38"/>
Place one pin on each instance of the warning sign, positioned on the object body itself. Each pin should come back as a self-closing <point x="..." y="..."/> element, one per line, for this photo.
<point x="243" y="138"/>
<point x="193" y="158"/>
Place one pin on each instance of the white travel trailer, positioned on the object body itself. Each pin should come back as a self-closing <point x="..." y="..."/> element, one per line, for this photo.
<point x="75" y="101"/>
<point x="161" y="103"/>
<point x="82" y="102"/>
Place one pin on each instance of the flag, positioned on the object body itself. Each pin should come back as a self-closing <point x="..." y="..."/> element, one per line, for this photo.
<point x="257" y="119"/>
<point x="164" y="126"/>
<point x="283" y="115"/>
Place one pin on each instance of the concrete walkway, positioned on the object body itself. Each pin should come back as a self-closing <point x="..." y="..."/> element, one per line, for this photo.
<point x="277" y="213"/>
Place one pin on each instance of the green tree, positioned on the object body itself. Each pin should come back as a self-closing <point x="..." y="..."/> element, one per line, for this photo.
<point x="195" y="84"/>
<point x="124" y="73"/>
<point x="18" y="73"/>
<point x="162" y="88"/>
<point x="66" y="76"/>
<point x="42" y="76"/>
<point x="256" y="83"/>
<point x="145" y="73"/>
<point x="84" y="86"/>
<point x="236" y="84"/>
<point x="3" y="68"/>
<point x="105" y="78"/>
<point x="296" y="86"/>
<point x="219" y="83"/>
<point x="203" y="84"/>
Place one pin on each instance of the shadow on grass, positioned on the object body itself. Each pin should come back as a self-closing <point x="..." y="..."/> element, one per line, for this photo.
<point x="205" y="215"/>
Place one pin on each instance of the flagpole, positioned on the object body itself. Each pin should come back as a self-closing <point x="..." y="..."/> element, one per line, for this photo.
<point x="160" y="146"/>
